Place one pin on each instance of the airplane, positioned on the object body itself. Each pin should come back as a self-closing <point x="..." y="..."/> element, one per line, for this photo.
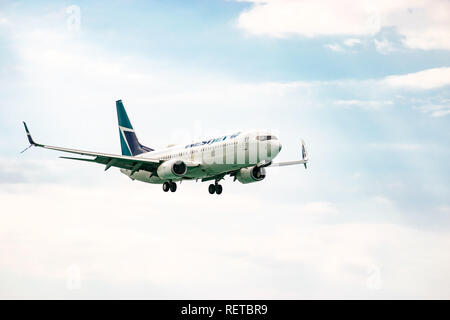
<point x="241" y="155"/>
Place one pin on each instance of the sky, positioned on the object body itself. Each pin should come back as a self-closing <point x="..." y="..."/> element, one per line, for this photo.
<point x="365" y="84"/>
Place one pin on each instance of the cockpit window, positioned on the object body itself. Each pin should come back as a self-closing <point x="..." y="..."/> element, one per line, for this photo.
<point x="266" y="138"/>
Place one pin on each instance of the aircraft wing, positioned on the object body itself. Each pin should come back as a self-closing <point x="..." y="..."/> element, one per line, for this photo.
<point x="109" y="160"/>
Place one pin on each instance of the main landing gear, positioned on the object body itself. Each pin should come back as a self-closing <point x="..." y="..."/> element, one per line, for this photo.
<point x="215" y="188"/>
<point x="172" y="186"/>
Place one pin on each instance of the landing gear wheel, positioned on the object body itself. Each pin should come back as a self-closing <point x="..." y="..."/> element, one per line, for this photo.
<point x="166" y="186"/>
<point x="218" y="188"/>
<point x="173" y="187"/>
<point x="212" y="189"/>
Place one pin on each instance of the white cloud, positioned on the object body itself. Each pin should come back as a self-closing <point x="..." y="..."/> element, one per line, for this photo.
<point x="346" y="46"/>
<point x="444" y="209"/>
<point x="423" y="24"/>
<point x="125" y="237"/>
<point x="383" y="46"/>
<point x="425" y="79"/>
<point x="334" y="47"/>
<point x="280" y="18"/>
<point x="319" y="208"/>
<point x="351" y="42"/>
<point x="383" y="201"/>
<point x="436" y="110"/>
<point x="365" y="104"/>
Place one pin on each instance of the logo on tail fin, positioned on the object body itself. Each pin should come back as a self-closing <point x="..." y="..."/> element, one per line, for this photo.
<point x="128" y="140"/>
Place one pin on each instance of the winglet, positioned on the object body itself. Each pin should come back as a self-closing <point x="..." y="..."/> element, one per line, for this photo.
<point x="30" y="138"/>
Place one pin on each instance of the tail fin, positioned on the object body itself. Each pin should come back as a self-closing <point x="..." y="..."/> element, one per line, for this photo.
<point x="128" y="139"/>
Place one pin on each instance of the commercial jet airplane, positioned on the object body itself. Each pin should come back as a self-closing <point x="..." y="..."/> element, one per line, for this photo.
<point x="242" y="155"/>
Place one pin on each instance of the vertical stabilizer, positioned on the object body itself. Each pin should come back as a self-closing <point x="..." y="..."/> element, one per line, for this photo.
<point x="128" y="140"/>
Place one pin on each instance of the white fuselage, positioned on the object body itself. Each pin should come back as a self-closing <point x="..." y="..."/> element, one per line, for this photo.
<point x="215" y="156"/>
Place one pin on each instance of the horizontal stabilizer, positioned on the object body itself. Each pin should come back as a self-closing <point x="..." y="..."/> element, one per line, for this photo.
<point x="288" y="163"/>
<point x="304" y="160"/>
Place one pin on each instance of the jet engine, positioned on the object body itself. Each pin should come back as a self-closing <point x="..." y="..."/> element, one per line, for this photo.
<point x="171" y="169"/>
<point x="252" y="174"/>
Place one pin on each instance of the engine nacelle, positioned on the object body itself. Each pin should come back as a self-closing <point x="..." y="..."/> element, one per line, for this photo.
<point x="252" y="174"/>
<point x="171" y="169"/>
